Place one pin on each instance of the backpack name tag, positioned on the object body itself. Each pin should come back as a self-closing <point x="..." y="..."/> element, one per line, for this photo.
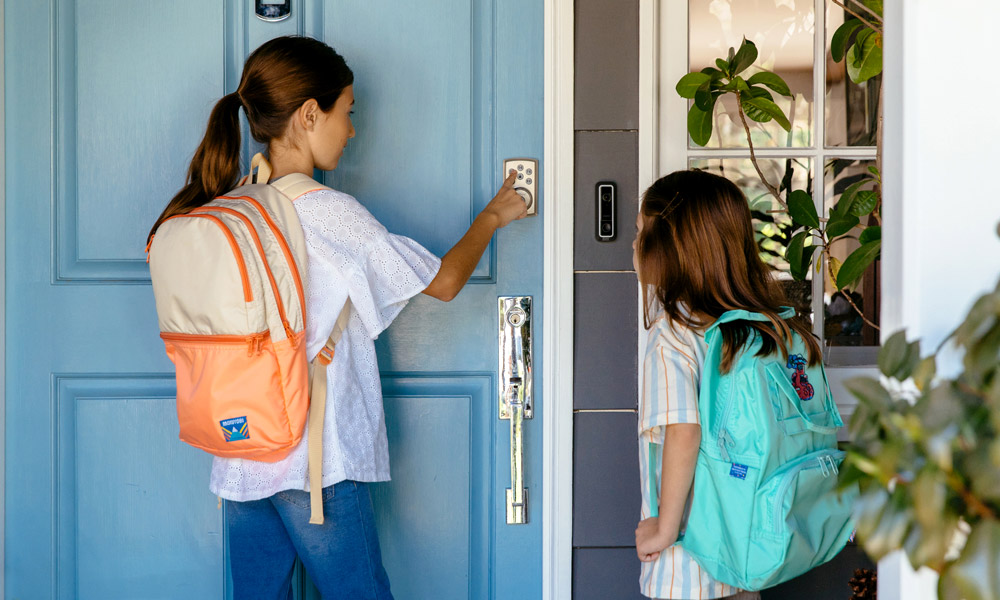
<point x="235" y="429"/>
<point x="738" y="471"/>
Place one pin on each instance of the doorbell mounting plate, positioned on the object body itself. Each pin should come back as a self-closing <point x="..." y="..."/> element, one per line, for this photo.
<point x="526" y="183"/>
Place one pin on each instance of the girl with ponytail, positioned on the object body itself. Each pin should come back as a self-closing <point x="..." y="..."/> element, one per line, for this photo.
<point x="297" y="95"/>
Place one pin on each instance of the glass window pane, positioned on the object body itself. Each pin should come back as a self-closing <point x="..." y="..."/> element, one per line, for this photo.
<point x="843" y="323"/>
<point x="783" y="33"/>
<point x="851" y="108"/>
<point x="773" y="229"/>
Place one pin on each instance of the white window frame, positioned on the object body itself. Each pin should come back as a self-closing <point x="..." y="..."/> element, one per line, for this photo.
<point x="663" y="143"/>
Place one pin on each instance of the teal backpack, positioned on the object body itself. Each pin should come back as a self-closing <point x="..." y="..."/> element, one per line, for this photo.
<point x="764" y="507"/>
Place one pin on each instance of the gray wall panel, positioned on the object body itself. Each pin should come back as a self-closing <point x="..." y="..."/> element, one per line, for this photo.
<point x="606" y="482"/>
<point x="605" y="156"/>
<point x="607" y="64"/>
<point x="605" y="573"/>
<point x="604" y="344"/>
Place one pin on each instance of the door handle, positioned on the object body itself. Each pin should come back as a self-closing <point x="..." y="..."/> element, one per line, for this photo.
<point x="516" y="404"/>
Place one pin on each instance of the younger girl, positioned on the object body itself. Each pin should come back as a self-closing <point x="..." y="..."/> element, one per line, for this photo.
<point x="696" y="258"/>
<point x="297" y="95"/>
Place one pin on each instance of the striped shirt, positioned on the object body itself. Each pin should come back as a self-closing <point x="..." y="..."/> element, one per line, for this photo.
<point x="671" y="370"/>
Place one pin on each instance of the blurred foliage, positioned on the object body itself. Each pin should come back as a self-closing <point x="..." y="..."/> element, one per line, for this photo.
<point x="927" y="456"/>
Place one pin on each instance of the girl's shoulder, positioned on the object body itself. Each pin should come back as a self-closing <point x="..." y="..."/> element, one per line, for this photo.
<point x="675" y="336"/>
<point x="331" y="207"/>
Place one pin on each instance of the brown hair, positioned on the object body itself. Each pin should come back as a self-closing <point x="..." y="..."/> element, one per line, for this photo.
<point x="278" y="78"/>
<point x="697" y="256"/>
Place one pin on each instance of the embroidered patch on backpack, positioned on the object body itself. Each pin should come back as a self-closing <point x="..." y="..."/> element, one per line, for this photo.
<point x="738" y="471"/>
<point x="800" y="381"/>
<point x="235" y="429"/>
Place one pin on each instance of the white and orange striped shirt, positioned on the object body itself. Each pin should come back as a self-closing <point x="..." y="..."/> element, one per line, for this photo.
<point x="671" y="372"/>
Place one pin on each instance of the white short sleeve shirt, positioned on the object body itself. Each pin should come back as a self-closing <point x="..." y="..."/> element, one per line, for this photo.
<point x="350" y="254"/>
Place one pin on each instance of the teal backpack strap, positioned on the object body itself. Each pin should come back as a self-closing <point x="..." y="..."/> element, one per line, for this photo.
<point x="654" y="496"/>
<point x="787" y="312"/>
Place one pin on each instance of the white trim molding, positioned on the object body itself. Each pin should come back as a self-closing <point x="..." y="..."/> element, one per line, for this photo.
<point x="3" y="304"/>
<point x="557" y="311"/>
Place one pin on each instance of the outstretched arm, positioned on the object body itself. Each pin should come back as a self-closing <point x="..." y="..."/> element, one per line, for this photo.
<point x="680" y="454"/>
<point x="459" y="263"/>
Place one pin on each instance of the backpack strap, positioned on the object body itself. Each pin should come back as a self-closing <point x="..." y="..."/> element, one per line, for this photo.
<point x="787" y="312"/>
<point x="317" y="414"/>
<point x="292" y="185"/>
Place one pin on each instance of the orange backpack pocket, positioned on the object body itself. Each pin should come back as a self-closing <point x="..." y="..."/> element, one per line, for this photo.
<point x="235" y="394"/>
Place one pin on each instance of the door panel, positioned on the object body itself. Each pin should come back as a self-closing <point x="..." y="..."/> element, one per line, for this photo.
<point x="106" y="102"/>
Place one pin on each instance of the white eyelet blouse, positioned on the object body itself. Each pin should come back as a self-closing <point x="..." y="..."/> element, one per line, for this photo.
<point x="349" y="253"/>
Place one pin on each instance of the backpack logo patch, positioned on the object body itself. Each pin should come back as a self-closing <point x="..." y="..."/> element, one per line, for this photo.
<point x="800" y="381"/>
<point x="738" y="471"/>
<point x="235" y="429"/>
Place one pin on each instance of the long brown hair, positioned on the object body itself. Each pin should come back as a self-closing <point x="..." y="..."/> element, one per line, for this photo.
<point x="697" y="256"/>
<point x="278" y="78"/>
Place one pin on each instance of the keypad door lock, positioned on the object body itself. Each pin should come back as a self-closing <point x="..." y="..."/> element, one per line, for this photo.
<point x="526" y="184"/>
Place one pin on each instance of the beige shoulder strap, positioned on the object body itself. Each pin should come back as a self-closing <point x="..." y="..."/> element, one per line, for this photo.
<point x="292" y="185"/>
<point x="317" y="413"/>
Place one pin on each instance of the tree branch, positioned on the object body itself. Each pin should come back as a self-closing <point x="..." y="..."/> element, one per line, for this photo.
<point x="867" y="23"/>
<point x="753" y="157"/>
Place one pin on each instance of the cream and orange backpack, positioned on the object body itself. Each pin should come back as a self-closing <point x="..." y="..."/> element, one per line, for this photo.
<point x="229" y="279"/>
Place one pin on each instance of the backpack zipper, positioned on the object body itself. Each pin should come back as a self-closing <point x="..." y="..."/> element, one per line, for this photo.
<point x="817" y="460"/>
<point x="260" y="248"/>
<point x="254" y="342"/>
<point x="247" y="291"/>
<point x="725" y="440"/>
<point x="289" y="258"/>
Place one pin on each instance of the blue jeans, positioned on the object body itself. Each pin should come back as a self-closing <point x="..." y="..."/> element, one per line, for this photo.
<point x="342" y="556"/>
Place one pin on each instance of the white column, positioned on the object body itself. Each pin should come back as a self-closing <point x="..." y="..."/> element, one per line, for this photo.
<point x="942" y="205"/>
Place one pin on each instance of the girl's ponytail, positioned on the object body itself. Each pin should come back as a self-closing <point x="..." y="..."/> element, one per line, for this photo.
<point x="216" y="164"/>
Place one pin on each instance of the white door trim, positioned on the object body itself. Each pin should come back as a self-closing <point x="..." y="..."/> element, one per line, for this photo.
<point x="557" y="304"/>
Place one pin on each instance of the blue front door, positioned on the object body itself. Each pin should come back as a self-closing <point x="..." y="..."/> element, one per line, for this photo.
<point x="106" y="102"/>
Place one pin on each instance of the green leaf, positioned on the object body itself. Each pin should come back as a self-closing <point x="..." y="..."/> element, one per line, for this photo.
<point x="690" y="83"/>
<point x="923" y="375"/>
<point x="838" y="225"/>
<point x="864" y="60"/>
<point x="839" y="43"/>
<point x="875" y="5"/>
<point x="864" y="203"/>
<point x="759" y="92"/>
<point x="870" y="392"/>
<point x="846" y="200"/>
<point x="772" y="81"/>
<point x="975" y="575"/>
<point x="898" y="358"/>
<point x="856" y="264"/>
<point x="870" y="234"/>
<point x="802" y="210"/>
<point x="874" y="171"/>
<point x="699" y="125"/>
<point x="745" y="57"/>
<point x="799" y="255"/>
<point x="705" y="99"/>
<point x="723" y="66"/>
<point x="731" y="56"/>
<point x="713" y="73"/>
<point x="763" y="110"/>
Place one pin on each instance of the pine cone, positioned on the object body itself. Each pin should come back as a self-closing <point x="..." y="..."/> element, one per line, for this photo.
<point x="864" y="585"/>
